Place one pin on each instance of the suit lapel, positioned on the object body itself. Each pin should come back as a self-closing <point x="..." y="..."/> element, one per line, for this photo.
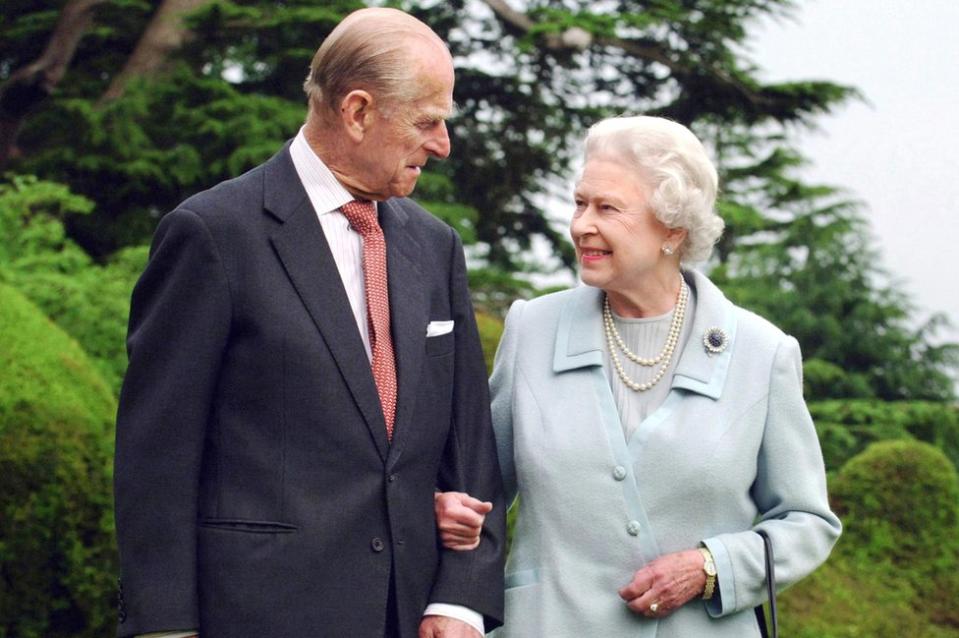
<point x="409" y="315"/>
<point x="305" y="254"/>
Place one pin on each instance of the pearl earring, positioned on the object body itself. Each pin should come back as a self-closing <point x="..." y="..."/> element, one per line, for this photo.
<point x="667" y="250"/>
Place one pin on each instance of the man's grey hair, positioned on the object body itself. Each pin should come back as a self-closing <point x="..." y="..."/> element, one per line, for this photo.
<point x="371" y="49"/>
<point x="672" y="162"/>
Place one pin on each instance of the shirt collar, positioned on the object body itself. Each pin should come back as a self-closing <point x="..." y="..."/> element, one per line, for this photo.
<point x="325" y="192"/>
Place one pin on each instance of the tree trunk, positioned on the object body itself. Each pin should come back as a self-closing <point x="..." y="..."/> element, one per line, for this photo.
<point x="30" y="85"/>
<point x="165" y="33"/>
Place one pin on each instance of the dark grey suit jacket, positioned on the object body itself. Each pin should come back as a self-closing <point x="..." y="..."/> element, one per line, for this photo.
<point x="256" y="491"/>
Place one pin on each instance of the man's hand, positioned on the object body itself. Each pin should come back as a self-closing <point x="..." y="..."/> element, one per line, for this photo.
<point x="459" y="518"/>
<point x="446" y="627"/>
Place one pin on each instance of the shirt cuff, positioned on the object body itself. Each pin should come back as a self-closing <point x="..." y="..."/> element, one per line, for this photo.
<point x="472" y="618"/>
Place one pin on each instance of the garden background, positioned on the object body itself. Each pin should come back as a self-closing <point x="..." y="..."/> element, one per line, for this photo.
<point x="113" y="111"/>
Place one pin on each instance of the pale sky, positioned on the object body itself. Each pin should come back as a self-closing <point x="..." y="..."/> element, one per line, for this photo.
<point x="898" y="153"/>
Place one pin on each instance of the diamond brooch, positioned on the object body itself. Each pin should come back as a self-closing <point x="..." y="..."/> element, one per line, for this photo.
<point x="715" y="340"/>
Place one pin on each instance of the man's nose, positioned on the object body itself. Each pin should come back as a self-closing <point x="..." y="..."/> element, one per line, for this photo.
<point x="439" y="145"/>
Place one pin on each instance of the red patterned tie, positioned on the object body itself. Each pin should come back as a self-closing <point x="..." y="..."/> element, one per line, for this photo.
<point x="362" y="216"/>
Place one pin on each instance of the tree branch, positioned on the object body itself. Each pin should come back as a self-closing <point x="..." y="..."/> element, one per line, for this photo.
<point x="30" y="85"/>
<point x="165" y="33"/>
<point x="575" y="38"/>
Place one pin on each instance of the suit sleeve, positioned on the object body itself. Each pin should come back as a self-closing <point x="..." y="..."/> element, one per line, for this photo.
<point x="179" y="326"/>
<point x="790" y="494"/>
<point x="472" y="579"/>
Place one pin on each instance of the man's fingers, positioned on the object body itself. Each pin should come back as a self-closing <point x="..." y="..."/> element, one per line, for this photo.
<point x="462" y="518"/>
<point x="460" y="546"/>
<point x="455" y="529"/>
<point x="478" y="506"/>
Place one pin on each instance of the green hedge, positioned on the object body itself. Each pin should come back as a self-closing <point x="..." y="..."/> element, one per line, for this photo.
<point x="89" y="300"/>
<point x="847" y="427"/>
<point x="57" y="557"/>
<point x="893" y="572"/>
<point x="901" y="502"/>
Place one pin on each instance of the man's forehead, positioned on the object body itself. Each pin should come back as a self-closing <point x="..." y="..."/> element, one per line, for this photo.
<point x="441" y="112"/>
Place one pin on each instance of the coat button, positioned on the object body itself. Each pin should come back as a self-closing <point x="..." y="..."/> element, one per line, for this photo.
<point x="633" y="528"/>
<point x="391" y="478"/>
<point x="377" y="545"/>
<point x="619" y="472"/>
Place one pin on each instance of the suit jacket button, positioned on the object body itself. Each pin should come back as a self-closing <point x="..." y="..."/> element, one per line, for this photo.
<point x="619" y="472"/>
<point x="633" y="528"/>
<point x="377" y="545"/>
<point x="121" y="605"/>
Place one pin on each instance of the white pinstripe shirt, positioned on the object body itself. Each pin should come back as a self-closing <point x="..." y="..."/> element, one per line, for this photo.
<point x="327" y="195"/>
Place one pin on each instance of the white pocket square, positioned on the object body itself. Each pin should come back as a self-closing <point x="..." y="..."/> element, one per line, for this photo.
<point x="437" y="328"/>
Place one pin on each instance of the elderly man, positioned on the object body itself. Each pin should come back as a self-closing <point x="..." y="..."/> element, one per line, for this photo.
<point x="305" y="371"/>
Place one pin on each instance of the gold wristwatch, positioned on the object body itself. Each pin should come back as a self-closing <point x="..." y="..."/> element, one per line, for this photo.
<point x="709" y="566"/>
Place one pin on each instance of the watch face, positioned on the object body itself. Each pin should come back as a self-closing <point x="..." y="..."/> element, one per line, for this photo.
<point x="709" y="568"/>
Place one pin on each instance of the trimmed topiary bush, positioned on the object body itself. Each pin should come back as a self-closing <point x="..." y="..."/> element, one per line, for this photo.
<point x="893" y="572"/>
<point x="89" y="300"/>
<point x="57" y="557"/>
<point x="900" y="501"/>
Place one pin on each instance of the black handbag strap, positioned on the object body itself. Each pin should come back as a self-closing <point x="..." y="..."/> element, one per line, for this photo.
<point x="771" y="591"/>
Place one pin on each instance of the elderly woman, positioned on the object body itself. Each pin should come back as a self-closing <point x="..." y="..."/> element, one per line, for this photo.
<point x="649" y="426"/>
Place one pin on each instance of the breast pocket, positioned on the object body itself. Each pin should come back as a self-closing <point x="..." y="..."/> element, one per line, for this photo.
<point x="440" y="345"/>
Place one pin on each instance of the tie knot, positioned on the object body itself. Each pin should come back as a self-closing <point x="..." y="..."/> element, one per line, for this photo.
<point x="361" y="214"/>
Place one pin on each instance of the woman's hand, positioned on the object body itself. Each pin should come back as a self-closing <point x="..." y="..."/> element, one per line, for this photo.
<point x="668" y="582"/>
<point x="459" y="518"/>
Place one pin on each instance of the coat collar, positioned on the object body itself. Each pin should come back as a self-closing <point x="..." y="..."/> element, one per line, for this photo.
<point x="283" y="192"/>
<point x="580" y="336"/>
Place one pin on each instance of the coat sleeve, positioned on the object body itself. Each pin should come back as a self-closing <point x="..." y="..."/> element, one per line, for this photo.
<point x="790" y="495"/>
<point x="472" y="579"/>
<point x="501" y="390"/>
<point x="179" y="325"/>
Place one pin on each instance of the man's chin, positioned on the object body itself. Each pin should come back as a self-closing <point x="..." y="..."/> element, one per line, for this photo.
<point x="404" y="190"/>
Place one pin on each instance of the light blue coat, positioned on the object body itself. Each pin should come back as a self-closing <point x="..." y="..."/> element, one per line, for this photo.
<point x="732" y="449"/>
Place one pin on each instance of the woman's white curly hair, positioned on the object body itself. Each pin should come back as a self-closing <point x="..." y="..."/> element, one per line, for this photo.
<point x="672" y="162"/>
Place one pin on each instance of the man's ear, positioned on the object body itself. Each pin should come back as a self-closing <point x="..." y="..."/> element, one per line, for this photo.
<point x="356" y="113"/>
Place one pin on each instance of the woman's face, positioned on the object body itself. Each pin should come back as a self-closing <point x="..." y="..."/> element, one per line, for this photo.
<point x="618" y="239"/>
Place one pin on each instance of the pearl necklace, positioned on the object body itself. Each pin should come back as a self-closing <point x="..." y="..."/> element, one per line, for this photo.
<point x="613" y="340"/>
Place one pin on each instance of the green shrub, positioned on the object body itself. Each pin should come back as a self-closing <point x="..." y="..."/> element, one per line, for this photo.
<point x="893" y="572"/>
<point x="90" y="301"/>
<point x="57" y="558"/>
<point x="854" y="599"/>
<point x="847" y="427"/>
<point x="823" y="379"/>
<point x="900" y="501"/>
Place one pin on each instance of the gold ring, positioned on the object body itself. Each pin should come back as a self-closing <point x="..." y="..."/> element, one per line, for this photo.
<point x="654" y="608"/>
